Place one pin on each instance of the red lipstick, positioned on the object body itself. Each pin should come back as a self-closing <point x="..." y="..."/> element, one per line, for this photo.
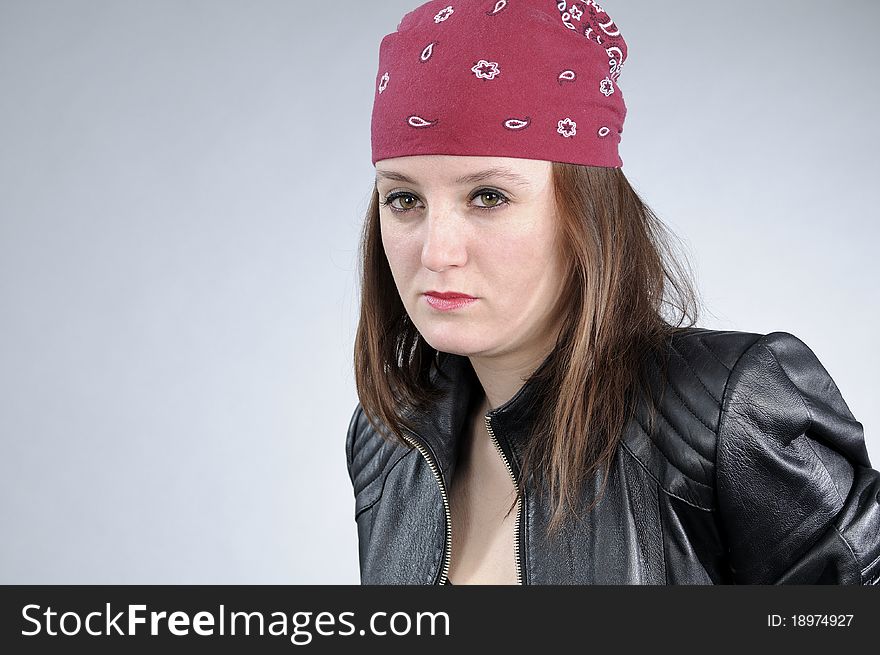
<point x="447" y="301"/>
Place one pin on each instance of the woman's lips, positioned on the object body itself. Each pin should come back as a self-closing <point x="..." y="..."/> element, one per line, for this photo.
<point x="449" y="302"/>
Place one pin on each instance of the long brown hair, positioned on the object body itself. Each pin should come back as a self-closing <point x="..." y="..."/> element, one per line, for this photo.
<point x="626" y="294"/>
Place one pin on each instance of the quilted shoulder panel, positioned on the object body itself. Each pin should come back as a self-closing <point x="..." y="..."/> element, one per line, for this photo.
<point x="369" y="457"/>
<point x="679" y="449"/>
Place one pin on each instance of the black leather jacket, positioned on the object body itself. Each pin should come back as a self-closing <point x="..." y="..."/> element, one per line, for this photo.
<point x="757" y="473"/>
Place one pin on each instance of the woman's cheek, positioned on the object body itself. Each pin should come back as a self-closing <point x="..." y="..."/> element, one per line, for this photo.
<point x="395" y="251"/>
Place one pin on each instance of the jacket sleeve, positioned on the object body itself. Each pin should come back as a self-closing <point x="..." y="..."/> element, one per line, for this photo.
<point x="353" y="427"/>
<point x="798" y="501"/>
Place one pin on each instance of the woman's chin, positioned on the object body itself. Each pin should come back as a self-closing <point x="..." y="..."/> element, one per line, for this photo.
<point x="454" y="344"/>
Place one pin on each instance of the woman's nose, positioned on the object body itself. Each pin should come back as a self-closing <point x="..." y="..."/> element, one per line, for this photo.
<point x="444" y="243"/>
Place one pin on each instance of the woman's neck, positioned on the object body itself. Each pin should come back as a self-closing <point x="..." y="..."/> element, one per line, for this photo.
<point x="502" y="377"/>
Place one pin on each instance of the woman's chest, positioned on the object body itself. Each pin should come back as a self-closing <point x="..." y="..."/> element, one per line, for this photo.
<point x="483" y="515"/>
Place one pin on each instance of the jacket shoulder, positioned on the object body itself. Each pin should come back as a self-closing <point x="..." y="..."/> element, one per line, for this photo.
<point x="369" y="456"/>
<point x="753" y="427"/>
<point x="678" y="446"/>
<point x="798" y="500"/>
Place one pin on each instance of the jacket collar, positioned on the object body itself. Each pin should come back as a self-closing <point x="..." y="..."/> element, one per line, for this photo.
<point x="440" y="428"/>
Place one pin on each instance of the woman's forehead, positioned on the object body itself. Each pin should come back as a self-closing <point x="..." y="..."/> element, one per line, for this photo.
<point x="458" y="170"/>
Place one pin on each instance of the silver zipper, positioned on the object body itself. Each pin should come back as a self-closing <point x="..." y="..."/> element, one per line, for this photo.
<point x="519" y="501"/>
<point x="448" y="548"/>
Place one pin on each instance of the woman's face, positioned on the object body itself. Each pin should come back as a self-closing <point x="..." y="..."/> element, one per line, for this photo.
<point x="447" y="227"/>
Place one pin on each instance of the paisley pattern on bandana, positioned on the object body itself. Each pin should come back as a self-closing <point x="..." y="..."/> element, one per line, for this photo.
<point x="598" y="26"/>
<point x="566" y="76"/>
<point x="586" y="89"/>
<point x="428" y="51"/>
<point x="517" y="124"/>
<point x="499" y="6"/>
<point x="418" y="121"/>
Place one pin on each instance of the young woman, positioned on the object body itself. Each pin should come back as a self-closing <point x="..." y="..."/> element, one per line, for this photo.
<point x="537" y="405"/>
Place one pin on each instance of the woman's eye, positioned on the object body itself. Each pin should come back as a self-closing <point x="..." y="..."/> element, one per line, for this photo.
<point x="407" y="201"/>
<point x="498" y="199"/>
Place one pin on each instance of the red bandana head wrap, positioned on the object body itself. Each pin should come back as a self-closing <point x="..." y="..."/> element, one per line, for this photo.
<point x="532" y="79"/>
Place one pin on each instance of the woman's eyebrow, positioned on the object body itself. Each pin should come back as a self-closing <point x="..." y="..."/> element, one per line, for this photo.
<point x="496" y="173"/>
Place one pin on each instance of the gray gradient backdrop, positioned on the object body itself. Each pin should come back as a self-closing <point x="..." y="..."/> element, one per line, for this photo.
<point x="182" y="186"/>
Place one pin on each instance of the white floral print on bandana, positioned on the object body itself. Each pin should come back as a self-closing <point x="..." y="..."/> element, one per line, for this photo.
<point x="487" y="70"/>
<point x="606" y="86"/>
<point x="383" y="83"/>
<point x="567" y="127"/>
<point x="443" y="14"/>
